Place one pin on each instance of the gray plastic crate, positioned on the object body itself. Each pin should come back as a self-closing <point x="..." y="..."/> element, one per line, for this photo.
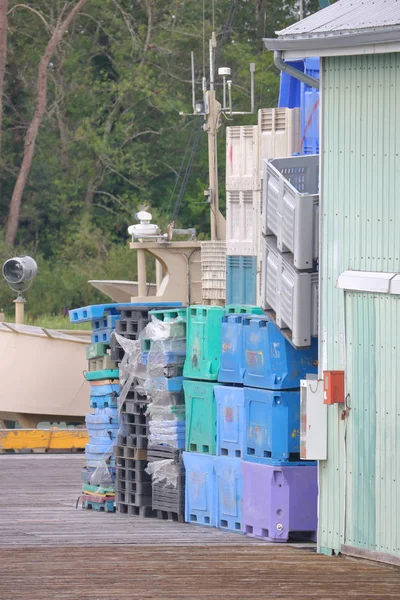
<point x="290" y="206"/>
<point x="289" y="296"/>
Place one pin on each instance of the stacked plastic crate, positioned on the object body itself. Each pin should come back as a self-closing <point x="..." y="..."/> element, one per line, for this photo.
<point x="259" y="427"/>
<point x="243" y="202"/>
<point x="277" y="134"/>
<point x="98" y="476"/>
<point x="151" y="363"/>
<point x="290" y="246"/>
<point x="133" y="484"/>
<point x="164" y="345"/>
<point x="203" y="335"/>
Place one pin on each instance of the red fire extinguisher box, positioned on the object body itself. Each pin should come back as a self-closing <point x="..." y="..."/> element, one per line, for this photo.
<point x="333" y="387"/>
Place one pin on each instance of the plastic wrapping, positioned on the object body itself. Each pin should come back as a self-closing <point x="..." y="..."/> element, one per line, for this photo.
<point x="142" y="371"/>
<point x="166" y="413"/>
<point x="165" y="471"/>
<point x="102" y="475"/>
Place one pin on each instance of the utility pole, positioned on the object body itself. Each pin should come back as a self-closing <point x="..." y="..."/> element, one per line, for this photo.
<point x="211" y="110"/>
<point x="301" y="9"/>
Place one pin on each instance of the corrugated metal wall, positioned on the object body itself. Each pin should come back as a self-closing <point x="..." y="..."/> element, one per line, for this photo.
<point x="360" y="230"/>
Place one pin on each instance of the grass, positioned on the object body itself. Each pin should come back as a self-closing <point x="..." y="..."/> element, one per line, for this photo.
<point x="50" y="322"/>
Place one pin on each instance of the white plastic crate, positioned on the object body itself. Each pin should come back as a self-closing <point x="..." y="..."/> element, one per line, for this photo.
<point x="279" y="133"/>
<point x="243" y="222"/>
<point x="242" y="158"/>
<point x="213" y="271"/>
<point x="290" y="296"/>
<point x="290" y="207"/>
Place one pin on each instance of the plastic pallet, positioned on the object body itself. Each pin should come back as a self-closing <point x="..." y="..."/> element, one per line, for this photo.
<point x="106" y="401"/>
<point x="105" y="387"/>
<point x="96" y="350"/>
<point x="123" y="453"/>
<point x="163" y="359"/>
<point x="162" y="384"/>
<point x="159" y="452"/>
<point x="143" y="488"/>
<point x="98" y="490"/>
<point x="107" y="322"/>
<point x="243" y="309"/>
<point x="105" y="374"/>
<point x="108" y="506"/>
<point x="133" y="499"/>
<point x="102" y="363"/>
<point x="131" y="407"/>
<point x="134" y="472"/>
<point x="101" y="335"/>
<point x="97" y="311"/>
<point x="167" y="515"/>
<point x="116" y="351"/>
<point x="170" y="371"/>
<point x="135" y="511"/>
<point x="131" y="327"/>
<point x="89" y="313"/>
<point x="170" y="314"/>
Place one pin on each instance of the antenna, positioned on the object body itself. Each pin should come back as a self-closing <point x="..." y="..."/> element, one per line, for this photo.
<point x="210" y="109"/>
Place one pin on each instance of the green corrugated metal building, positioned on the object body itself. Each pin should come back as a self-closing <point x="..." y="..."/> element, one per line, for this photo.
<point x="359" y="332"/>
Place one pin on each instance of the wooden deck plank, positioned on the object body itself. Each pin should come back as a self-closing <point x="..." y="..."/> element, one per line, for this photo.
<point x="48" y="549"/>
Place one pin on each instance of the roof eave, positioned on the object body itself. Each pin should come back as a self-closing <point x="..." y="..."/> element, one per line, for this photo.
<point x="318" y="45"/>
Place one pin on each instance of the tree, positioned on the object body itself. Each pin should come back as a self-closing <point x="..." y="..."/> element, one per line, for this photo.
<point x="29" y="149"/>
<point x="3" y="54"/>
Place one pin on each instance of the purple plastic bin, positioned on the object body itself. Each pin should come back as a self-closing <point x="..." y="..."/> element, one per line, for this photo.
<point x="279" y="501"/>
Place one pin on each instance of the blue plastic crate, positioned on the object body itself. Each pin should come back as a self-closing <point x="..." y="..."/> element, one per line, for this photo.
<point x="97" y="311"/>
<point x="102" y="335"/>
<point x="106" y="322"/>
<point x="99" y="450"/>
<point x="102" y="417"/>
<point x="229" y="493"/>
<point x="232" y="365"/>
<point x="200" y="493"/>
<point x="289" y="91"/>
<point x="104" y="390"/>
<point x="231" y="428"/>
<point x="271" y="361"/>
<point x="163" y="358"/>
<point x="164" y="384"/>
<point x="309" y="103"/>
<point x="272" y="425"/>
<point x="108" y="437"/>
<point x="241" y="279"/>
<point x="105" y="401"/>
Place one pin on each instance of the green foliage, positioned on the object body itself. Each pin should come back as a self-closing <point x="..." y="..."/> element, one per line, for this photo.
<point x="112" y="140"/>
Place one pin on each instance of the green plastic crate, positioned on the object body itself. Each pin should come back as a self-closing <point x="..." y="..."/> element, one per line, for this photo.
<point x="203" y="342"/>
<point x="104" y="374"/>
<point x="96" y="350"/>
<point x="172" y="314"/>
<point x="243" y="309"/>
<point x="201" y="417"/>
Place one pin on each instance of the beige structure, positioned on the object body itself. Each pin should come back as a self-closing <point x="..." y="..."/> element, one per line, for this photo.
<point x="181" y="271"/>
<point x="42" y="375"/>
